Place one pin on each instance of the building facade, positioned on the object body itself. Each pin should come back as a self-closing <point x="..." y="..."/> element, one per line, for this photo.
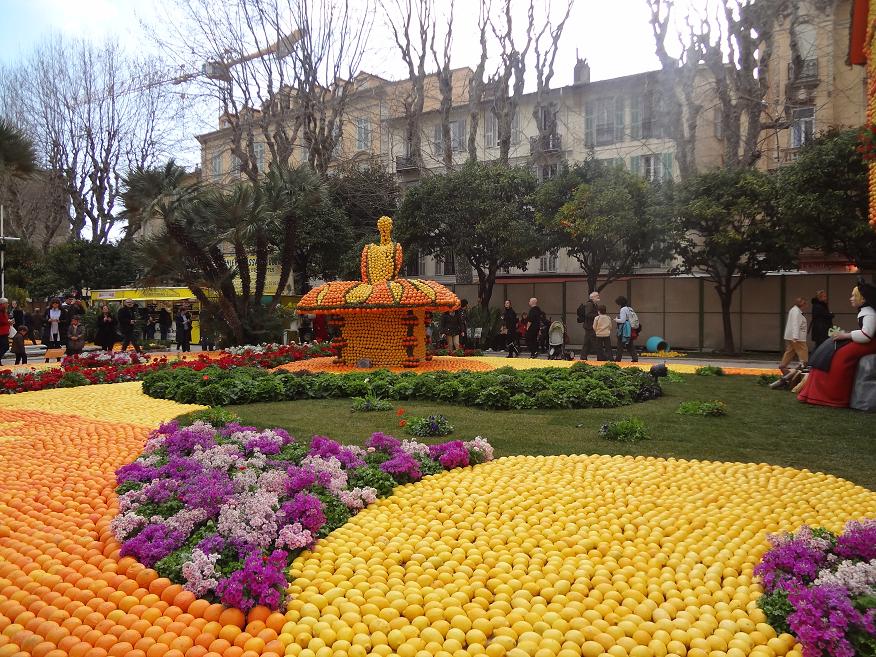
<point x="811" y="88"/>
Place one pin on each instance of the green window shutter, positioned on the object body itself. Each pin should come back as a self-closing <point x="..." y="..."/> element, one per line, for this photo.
<point x="619" y="118"/>
<point x="667" y="166"/>
<point x="636" y="117"/>
<point x="636" y="165"/>
<point x="588" y="124"/>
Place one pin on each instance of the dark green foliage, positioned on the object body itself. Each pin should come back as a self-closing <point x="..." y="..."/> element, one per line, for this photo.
<point x="218" y="417"/>
<point x="709" y="370"/>
<point x="72" y="380"/>
<point x="128" y="486"/>
<point x="171" y="566"/>
<point x="336" y="512"/>
<point x="627" y="430"/>
<point x="429" y="466"/>
<point x="776" y="607"/>
<point x="576" y="387"/>
<point x="164" y="509"/>
<point x="373" y="476"/>
<point x="714" y="408"/>
<point x="766" y="379"/>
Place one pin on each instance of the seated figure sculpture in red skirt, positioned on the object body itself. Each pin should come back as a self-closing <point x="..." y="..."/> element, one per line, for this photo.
<point x="834" y="363"/>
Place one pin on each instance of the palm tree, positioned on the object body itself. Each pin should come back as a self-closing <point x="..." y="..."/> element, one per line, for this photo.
<point x="142" y="189"/>
<point x="291" y="195"/>
<point x="16" y="149"/>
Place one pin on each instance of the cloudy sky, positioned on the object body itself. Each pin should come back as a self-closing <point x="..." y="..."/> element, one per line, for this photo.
<point x="613" y="35"/>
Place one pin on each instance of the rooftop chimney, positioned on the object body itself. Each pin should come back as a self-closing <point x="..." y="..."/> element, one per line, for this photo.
<point x="581" y="73"/>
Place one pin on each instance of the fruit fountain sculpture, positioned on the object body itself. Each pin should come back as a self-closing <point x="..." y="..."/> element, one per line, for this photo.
<point x="380" y="320"/>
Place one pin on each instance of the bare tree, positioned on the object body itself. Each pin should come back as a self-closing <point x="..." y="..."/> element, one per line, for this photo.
<point x="411" y="24"/>
<point x="93" y="112"/>
<point x="736" y="65"/>
<point x="506" y="84"/>
<point x="282" y="72"/>
<point x="545" y="55"/>
<point x="36" y="207"/>
<point x="444" y="75"/>
<point x="476" y="83"/>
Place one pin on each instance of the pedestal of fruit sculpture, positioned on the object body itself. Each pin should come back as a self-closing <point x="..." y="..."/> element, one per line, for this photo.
<point x="382" y="318"/>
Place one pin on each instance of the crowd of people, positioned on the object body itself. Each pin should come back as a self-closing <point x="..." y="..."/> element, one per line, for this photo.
<point x="61" y="326"/>
<point x="532" y="329"/>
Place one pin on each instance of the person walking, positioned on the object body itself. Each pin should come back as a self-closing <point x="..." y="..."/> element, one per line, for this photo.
<point x="16" y="313"/>
<point x="55" y="320"/>
<point x="5" y="323"/>
<point x="587" y="313"/>
<point x="795" y="336"/>
<point x="126" y="318"/>
<point x="822" y="318"/>
<point x="533" y="327"/>
<point x="34" y="322"/>
<point x="602" y="333"/>
<point x="509" y="329"/>
<point x="18" y="347"/>
<point x="183" y="329"/>
<point x="75" y="337"/>
<point x="107" y="334"/>
<point x="165" y="321"/>
<point x="451" y="327"/>
<point x="626" y="332"/>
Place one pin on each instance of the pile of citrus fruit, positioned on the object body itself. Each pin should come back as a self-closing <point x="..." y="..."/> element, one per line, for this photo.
<point x="524" y="556"/>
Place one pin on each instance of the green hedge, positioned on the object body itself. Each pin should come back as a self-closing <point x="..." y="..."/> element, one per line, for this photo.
<point x="580" y="386"/>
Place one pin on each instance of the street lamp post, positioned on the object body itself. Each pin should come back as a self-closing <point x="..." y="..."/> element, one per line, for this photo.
<point x="3" y="238"/>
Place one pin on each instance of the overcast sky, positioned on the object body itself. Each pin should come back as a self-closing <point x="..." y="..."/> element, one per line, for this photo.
<point x="613" y="35"/>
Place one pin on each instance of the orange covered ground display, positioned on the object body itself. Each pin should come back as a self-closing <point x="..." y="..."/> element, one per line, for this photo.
<point x="382" y="318"/>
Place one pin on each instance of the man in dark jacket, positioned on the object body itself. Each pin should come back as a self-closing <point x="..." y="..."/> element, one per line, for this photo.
<point x="587" y="312"/>
<point x="127" y="317"/>
<point x="822" y="318"/>
<point x="165" y="321"/>
<point x="533" y="326"/>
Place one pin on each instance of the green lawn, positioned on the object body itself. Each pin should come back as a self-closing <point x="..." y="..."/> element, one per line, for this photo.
<point x="762" y="425"/>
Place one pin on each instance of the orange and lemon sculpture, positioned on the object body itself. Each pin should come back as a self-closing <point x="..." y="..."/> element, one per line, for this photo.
<point x="381" y="319"/>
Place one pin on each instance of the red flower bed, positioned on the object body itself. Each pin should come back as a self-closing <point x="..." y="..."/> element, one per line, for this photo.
<point x="73" y="372"/>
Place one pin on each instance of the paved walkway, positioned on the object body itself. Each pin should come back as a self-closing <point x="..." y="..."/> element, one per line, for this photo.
<point x="732" y="363"/>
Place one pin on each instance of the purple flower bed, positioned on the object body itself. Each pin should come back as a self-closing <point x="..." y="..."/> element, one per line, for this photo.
<point x="822" y="589"/>
<point x="224" y="511"/>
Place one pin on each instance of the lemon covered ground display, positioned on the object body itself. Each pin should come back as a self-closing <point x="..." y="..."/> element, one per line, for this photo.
<point x="522" y="556"/>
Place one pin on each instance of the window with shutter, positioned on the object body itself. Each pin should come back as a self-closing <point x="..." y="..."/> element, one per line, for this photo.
<point x="619" y="118"/>
<point x="515" y="129"/>
<point x="588" y="125"/>
<point x="667" y="167"/>
<point x="604" y="121"/>
<point x="438" y="140"/>
<point x="636" y="117"/>
<point x="259" y="151"/>
<point x="216" y="166"/>
<point x="363" y="134"/>
<point x="636" y="165"/>
<point x="490" y="131"/>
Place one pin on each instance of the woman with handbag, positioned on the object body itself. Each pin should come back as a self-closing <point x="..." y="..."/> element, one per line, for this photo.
<point x="509" y="329"/>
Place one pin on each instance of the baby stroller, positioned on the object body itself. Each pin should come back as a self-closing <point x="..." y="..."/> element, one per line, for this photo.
<point x="556" y="341"/>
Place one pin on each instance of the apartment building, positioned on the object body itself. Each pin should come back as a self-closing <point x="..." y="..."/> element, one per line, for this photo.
<point x="811" y="88"/>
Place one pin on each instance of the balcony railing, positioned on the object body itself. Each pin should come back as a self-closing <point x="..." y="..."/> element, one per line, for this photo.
<point x="405" y="163"/>
<point x="543" y="144"/>
<point x="806" y="72"/>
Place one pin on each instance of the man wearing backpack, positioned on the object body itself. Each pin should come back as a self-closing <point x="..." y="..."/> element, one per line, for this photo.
<point x="587" y="312"/>
<point x="628" y="328"/>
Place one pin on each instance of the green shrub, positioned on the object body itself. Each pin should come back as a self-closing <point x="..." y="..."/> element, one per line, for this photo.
<point x="434" y="425"/>
<point x="767" y="379"/>
<point x="217" y="416"/>
<point x="628" y="430"/>
<point x="73" y="380"/>
<point x="371" y="476"/>
<point x="715" y="408"/>
<point x="369" y="404"/>
<point x="709" y="370"/>
<point x="581" y="386"/>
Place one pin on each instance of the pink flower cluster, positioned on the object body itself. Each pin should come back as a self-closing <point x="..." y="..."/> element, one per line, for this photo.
<point x="224" y="511"/>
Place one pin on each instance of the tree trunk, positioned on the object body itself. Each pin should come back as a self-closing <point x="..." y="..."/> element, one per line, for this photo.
<point x="726" y="297"/>
<point x="486" y="282"/>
